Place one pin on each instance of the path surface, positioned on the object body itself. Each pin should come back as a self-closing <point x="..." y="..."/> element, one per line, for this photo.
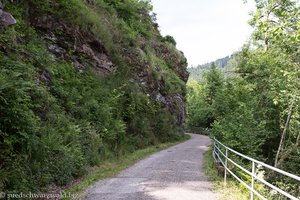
<point x="172" y="174"/>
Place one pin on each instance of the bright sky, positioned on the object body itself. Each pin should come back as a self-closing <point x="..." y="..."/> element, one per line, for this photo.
<point x="205" y="30"/>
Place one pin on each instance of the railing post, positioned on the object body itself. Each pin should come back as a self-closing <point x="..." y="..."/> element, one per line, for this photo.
<point x="214" y="150"/>
<point x="252" y="180"/>
<point x="225" y="170"/>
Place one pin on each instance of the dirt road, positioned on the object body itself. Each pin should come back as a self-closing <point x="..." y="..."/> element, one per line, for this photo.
<point x="172" y="174"/>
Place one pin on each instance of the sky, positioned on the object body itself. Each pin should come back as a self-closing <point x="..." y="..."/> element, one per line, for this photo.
<point x="205" y="30"/>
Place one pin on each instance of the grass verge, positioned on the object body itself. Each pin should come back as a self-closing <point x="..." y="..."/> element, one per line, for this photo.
<point x="113" y="167"/>
<point x="232" y="190"/>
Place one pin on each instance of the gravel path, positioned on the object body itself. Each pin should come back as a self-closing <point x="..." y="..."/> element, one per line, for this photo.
<point x="172" y="174"/>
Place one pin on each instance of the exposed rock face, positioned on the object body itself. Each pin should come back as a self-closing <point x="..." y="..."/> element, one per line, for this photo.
<point x="178" y="107"/>
<point x="179" y="62"/>
<point x="175" y="105"/>
<point x="66" y="41"/>
<point x="62" y="37"/>
<point x="91" y="2"/>
<point x="96" y="52"/>
<point x="83" y="81"/>
<point x="6" y="18"/>
<point x="156" y="86"/>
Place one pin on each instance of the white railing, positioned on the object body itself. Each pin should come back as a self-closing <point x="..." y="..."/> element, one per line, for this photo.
<point x="217" y="152"/>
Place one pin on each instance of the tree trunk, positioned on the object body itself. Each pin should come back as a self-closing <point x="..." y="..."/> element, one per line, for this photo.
<point x="284" y="132"/>
<point x="288" y="152"/>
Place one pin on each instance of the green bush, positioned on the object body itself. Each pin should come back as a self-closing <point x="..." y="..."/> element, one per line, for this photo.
<point x="170" y="39"/>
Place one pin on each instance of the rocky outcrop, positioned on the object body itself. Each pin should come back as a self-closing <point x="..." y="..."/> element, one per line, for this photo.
<point x="155" y="81"/>
<point x="67" y="41"/>
<point x="86" y="50"/>
<point x="83" y="81"/>
<point x="6" y="18"/>
<point x="91" y="2"/>
<point x="176" y="106"/>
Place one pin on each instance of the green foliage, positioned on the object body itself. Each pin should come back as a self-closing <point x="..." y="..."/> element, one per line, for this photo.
<point x="56" y="121"/>
<point x="202" y="97"/>
<point x="257" y="111"/>
<point x="214" y="83"/>
<point x="170" y="39"/>
<point x="197" y="72"/>
<point x="232" y="190"/>
<point x="113" y="166"/>
<point x="41" y="131"/>
<point x="148" y="124"/>
<point x="199" y="112"/>
<point x="236" y="123"/>
<point x="135" y="14"/>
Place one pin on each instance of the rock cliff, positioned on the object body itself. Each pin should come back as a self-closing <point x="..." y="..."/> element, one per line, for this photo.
<point x="82" y="81"/>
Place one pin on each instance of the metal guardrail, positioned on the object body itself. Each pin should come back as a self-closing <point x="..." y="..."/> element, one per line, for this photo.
<point x="216" y="154"/>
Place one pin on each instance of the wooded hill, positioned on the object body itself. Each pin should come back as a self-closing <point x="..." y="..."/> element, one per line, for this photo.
<point x="197" y="73"/>
<point x="82" y="82"/>
<point x="257" y="111"/>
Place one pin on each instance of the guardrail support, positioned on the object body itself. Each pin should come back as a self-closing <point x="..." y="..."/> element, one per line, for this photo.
<point x="217" y="152"/>
<point x="252" y="180"/>
<point x="225" y="170"/>
<point x="214" y="150"/>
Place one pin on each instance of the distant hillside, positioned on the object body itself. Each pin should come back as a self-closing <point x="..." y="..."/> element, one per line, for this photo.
<point x="196" y="73"/>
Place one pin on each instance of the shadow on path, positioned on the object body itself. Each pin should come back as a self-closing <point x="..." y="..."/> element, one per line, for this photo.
<point x="172" y="174"/>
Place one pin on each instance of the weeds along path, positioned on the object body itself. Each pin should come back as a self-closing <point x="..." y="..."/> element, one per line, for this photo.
<point x="172" y="174"/>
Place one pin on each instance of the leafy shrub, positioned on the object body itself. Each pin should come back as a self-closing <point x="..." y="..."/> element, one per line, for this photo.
<point x="170" y="39"/>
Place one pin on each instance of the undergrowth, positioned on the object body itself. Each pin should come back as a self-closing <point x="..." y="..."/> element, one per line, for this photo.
<point x="113" y="166"/>
<point x="57" y="121"/>
<point x="232" y="190"/>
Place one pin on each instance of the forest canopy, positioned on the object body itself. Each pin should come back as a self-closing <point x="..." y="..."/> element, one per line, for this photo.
<point x="256" y="110"/>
